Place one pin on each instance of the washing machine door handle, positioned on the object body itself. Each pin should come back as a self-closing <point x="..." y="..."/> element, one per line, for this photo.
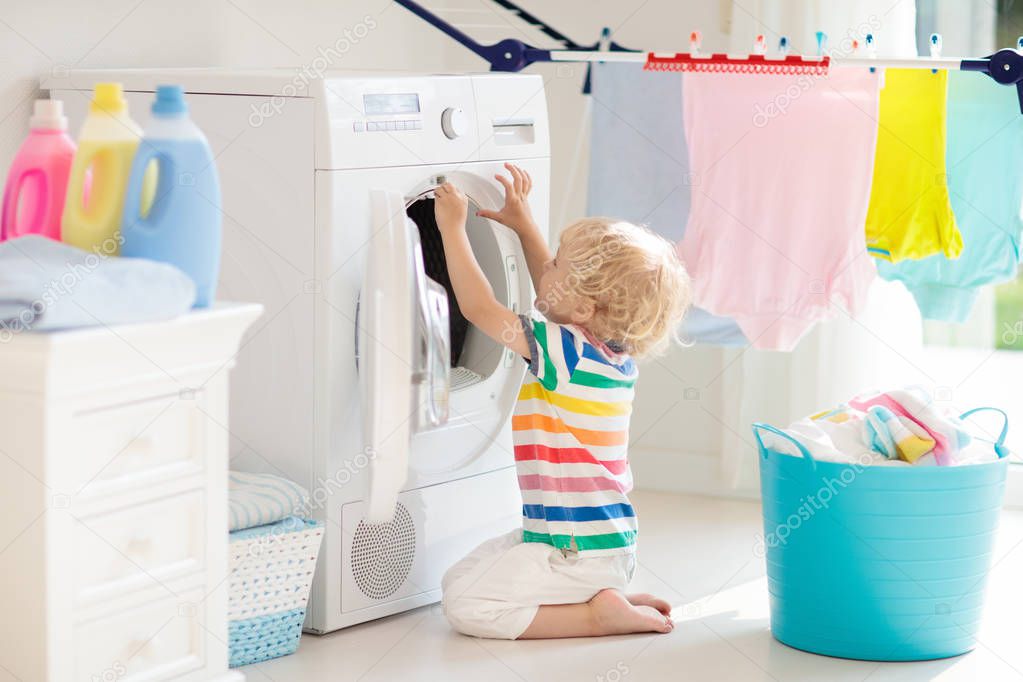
<point x="387" y="333"/>
<point x="433" y="374"/>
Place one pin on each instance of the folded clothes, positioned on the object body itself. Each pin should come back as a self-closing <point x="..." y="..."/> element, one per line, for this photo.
<point x="893" y="428"/>
<point x="46" y="285"/>
<point x="259" y="499"/>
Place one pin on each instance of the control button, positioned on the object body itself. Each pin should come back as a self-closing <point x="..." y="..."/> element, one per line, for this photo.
<point x="403" y="125"/>
<point x="372" y="125"/>
<point x="417" y="124"/>
<point x="359" y="126"/>
<point x="454" y="122"/>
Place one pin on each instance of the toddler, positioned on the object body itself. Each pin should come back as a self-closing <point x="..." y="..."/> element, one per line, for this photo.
<point x="613" y="292"/>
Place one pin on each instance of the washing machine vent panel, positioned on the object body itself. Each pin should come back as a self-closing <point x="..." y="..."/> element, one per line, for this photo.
<point x="382" y="554"/>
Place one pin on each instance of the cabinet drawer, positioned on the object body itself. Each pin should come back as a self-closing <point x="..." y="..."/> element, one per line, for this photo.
<point x="131" y="445"/>
<point x="158" y="641"/>
<point x="139" y="546"/>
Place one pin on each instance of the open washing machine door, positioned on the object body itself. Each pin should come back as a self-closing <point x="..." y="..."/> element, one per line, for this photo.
<point x="403" y="349"/>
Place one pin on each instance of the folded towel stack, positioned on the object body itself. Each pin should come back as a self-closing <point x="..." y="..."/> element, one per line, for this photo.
<point x="47" y="285"/>
<point x="273" y="551"/>
<point x="261" y="499"/>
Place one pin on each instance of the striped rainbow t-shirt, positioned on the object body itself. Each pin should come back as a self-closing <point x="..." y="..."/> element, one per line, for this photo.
<point x="571" y="434"/>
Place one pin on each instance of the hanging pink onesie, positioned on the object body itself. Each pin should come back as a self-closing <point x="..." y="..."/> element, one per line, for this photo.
<point x="781" y="171"/>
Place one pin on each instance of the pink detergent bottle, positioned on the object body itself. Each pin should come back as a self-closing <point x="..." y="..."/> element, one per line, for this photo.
<point x="37" y="180"/>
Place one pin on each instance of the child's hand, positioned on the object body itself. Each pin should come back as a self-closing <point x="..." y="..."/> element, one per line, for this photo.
<point x="450" y="208"/>
<point x="515" y="213"/>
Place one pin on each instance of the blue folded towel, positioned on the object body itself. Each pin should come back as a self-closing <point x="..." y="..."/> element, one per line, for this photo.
<point x="47" y="285"/>
<point x="259" y="499"/>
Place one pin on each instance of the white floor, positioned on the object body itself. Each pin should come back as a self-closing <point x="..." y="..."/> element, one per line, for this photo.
<point x="698" y="553"/>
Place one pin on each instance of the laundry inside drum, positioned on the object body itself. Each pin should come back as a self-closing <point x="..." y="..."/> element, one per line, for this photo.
<point x="474" y="356"/>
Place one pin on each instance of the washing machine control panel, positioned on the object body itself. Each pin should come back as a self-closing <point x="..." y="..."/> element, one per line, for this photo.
<point x="388" y="112"/>
<point x="377" y="121"/>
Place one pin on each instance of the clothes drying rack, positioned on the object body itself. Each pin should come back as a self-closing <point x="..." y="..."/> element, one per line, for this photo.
<point x="1004" y="66"/>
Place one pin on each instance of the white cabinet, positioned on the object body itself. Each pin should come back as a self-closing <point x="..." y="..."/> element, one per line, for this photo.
<point x="113" y="476"/>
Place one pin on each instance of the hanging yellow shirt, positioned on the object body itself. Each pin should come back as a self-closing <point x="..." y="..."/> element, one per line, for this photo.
<point x="910" y="215"/>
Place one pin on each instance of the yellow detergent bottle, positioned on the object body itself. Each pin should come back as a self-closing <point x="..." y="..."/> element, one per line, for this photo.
<point x="99" y="174"/>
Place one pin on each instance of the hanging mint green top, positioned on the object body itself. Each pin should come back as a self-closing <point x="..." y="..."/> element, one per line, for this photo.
<point x="985" y="181"/>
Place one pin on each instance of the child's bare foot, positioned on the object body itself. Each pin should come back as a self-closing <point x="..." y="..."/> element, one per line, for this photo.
<point x="644" y="599"/>
<point x="616" y="614"/>
<point x="608" y="613"/>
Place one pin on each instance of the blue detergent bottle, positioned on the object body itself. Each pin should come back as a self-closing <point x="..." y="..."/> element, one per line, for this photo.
<point x="183" y="224"/>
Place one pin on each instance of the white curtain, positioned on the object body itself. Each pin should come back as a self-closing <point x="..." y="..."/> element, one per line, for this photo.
<point x="839" y="358"/>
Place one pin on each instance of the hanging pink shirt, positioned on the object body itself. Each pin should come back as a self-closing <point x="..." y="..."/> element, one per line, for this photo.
<point x="781" y="171"/>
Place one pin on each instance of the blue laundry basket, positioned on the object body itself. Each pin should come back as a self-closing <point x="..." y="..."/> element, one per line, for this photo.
<point x="878" y="563"/>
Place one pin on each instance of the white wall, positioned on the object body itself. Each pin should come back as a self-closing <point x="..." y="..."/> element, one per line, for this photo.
<point x="37" y="36"/>
<point x="43" y="35"/>
<point x="40" y="36"/>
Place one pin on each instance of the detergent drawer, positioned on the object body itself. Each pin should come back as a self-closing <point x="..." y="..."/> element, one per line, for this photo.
<point x="512" y="116"/>
<point x="433" y="527"/>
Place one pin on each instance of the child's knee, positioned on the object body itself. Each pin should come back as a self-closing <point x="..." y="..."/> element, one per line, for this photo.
<point x="458" y="612"/>
<point x="491" y="620"/>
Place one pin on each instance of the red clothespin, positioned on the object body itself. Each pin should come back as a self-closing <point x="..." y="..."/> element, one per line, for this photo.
<point x="695" y="38"/>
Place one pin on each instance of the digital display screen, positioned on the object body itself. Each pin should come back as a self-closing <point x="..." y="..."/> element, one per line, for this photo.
<point x="402" y="103"/>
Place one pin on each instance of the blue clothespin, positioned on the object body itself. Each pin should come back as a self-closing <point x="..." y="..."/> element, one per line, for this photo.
<point x="783" y="46"/>
<point x="871" y="49"/>
<point x="822" y="43"/>
<point x="935" y="48"/>
<point x="602" y="45"/>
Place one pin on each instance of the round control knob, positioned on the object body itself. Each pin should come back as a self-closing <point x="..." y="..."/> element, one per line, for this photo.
<point x="454" y="122"/>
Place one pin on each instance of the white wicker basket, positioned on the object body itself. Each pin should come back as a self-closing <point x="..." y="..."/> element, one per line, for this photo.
<point x="272" y="570"/>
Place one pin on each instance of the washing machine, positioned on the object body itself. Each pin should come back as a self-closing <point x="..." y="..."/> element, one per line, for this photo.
<point x="363" y="382"/>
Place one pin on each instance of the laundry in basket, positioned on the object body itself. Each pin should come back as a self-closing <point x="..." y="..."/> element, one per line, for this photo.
<point x="898" y="427"/>
<point x="878" y="562"/>
<point x="271" y="567"/>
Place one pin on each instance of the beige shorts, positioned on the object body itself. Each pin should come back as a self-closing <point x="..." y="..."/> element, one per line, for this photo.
<point x="496" y="590"/>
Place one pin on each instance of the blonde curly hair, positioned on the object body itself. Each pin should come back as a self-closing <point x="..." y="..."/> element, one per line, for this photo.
<point x="634" y="277"/>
